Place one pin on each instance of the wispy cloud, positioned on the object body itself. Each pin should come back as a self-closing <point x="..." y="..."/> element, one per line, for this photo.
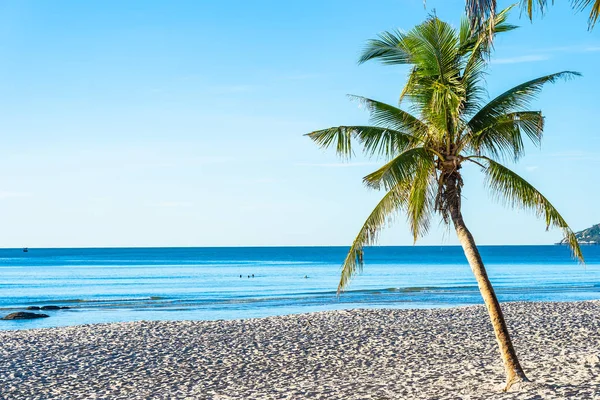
<point x="541" y="54"/>
<point x="262" y="181"/>
<point x="180" y="162"/>
<point x="150" y="165"/>
<point x="575" y="155"/>
<point x="300" y="77"/>
<point x="337" y="165"/>
<point x="203" y="160"/>
<point x="173" y="204"/>
<point x="521" y="59"/>
<point x="532" y="168"/>
<point x="10" y="195"/>
<point x="232" y="89"/>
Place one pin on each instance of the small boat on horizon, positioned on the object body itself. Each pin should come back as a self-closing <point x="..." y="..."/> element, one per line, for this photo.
<point x="25" y="249"/>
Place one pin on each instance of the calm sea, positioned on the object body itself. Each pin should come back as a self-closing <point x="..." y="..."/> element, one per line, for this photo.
<point x="127" y="284"/>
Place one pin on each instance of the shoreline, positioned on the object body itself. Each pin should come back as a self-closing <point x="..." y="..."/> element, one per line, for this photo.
<point x="294" y="314"/>
<point x="346" y="354"/>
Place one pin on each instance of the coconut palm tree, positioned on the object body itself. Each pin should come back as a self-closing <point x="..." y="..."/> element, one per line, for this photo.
<point x="449" y="126"/>
<point x="479" y="10"/>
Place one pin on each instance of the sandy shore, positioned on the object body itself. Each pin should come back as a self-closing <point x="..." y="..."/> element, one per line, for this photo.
<point x="357" y="354"/>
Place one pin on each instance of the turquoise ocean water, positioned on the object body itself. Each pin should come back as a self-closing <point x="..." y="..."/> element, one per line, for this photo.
<point x="128" y="284"/>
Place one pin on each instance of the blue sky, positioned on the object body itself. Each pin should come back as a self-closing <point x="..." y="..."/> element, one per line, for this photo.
<point x="155" y="123"/>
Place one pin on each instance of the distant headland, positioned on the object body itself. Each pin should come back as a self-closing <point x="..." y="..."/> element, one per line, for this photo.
<point x="587" y="236"/>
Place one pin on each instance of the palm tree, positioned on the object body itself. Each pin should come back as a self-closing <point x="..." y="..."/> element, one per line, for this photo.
<point x="479" y="10"/>
<point x="449" y="127"/>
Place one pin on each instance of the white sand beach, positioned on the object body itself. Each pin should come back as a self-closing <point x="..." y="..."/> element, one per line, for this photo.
<point x="357" y="354"/>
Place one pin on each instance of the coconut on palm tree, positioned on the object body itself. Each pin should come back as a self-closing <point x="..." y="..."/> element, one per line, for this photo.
<point x="449" y="126"/>
<point x="479" y="10"/>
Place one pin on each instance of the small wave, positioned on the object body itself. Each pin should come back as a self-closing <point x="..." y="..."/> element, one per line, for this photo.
<point x="106" y="300"/>
<point x="410" y="289"/>
<point x="234" y="263"/>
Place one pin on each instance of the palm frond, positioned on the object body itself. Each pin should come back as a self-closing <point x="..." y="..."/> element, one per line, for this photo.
<point x="436" y="47"/>
<point x="514" y="100"/>
<point x="480" y="37"/>
<point x="479" y="10"/>
<point x="475" y="92"/>
<point x="504" y="134"/>
<point x="392" y="202"/>
<point x="411" y="83"/>
<point x="376" y="141"/>
<point x="531" y="6"/>
<point x="594" y="11"/>
<point x="478" y="47"/>
<point x="389" y="48"/>
<point x="517" y="192"/>
<point x="436" y="87"/>
<point x="421" y="199"/>
<point x="339" y="137"/>
<point x="465" y="33"/>
<point x="388" y="116"/>
<point x="399" y="170"/>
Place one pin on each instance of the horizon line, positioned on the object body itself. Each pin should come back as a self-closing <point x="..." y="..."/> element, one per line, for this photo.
<point x="274" y="246"/>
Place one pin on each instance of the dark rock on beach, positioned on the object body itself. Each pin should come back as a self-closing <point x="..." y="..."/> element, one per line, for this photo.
<point x="47" y="308"/>
<point x="24" y="315"/>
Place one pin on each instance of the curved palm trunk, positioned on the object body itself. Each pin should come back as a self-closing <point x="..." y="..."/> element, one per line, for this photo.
<point x="514" y="372"/>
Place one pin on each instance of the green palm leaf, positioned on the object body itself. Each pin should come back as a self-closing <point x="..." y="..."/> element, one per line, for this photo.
<point x="388" y="116"/>
<point x="517" y="192"/>
<point x="478" y="45"/>
<point x="400" y="170"/>
<point x="504" y="134"/>
<point x="479" y="10"/>
<point x="540" y="5"/>
<point x="435" y="44"/>
<point x="375" y="140"/>
<point x="421" y="198"/>
<point x="594" y="11"/>
<point x="389" y="47"/>
<point x="393" y="201"/>
<point x="478" y="40"/>
<point x="514" y="100"/>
